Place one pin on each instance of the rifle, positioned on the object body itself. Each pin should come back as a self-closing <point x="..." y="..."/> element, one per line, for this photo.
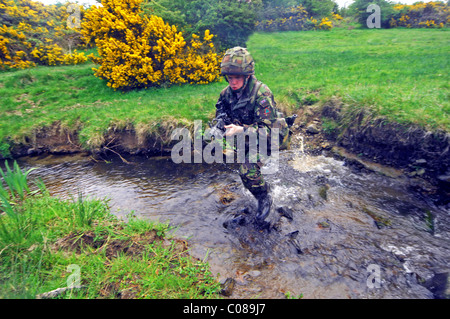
<point x="218" y="126"/>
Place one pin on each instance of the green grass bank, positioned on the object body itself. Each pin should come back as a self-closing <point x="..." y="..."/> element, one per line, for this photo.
<point x="48" y="245"/>
<point x="402" y="74"/>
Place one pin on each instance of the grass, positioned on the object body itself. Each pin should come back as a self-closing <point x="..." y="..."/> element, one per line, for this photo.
<point x="37" y="97"/>
<point x="399" y="73"/>
<point x="47" y="243"/>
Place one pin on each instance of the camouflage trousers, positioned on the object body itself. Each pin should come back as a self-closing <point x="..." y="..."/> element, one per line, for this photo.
<point x="252" y="178"/>
<point x="250" y="172"/>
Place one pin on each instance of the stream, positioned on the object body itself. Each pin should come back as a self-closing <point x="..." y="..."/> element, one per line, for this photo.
<point x="335" y="232"/>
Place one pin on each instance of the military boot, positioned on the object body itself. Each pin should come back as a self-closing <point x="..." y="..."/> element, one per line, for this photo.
<point x="264" y="203"/>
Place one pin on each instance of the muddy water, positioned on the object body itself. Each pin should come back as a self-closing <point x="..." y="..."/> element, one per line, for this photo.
<point x="335" y="233"/>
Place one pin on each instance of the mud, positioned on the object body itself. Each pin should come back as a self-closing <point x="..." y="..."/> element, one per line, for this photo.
<point x="52" y="140"/>
<point x="78" y="242"/>
<point x="58" y="140"/>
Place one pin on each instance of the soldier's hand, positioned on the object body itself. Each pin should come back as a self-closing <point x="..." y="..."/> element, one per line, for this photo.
<point x="233" y="129"/>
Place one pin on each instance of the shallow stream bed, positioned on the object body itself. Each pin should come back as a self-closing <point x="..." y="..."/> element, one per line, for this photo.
<point x="334" y="232"/>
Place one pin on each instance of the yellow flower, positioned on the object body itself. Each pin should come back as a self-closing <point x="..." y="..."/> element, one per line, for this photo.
<point x="150" y="52"/>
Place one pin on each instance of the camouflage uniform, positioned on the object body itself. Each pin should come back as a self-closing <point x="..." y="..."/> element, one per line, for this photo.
<point x="252" y="107"/>
<point x="252" y="110"/>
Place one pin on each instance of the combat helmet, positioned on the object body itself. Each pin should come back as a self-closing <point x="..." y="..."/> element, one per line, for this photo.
<point x="237" y="61"/>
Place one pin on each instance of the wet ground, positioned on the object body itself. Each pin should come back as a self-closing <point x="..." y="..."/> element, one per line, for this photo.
<point x="334" y="233"/>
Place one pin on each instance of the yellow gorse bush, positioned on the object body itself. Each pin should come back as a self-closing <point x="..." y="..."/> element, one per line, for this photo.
<point x="336" y="16"/>
<point x="12" y="46"/>
<point x="53" y="55"/>
<point x="434" y="14"/>
<point x="325" y="24"/>
<point x="142" y="51"/>
<point x="295" y="19"/>
<point x="34" y="34"/>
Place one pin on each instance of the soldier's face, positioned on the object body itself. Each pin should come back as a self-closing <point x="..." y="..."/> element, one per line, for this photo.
<point x="236" y="81"/>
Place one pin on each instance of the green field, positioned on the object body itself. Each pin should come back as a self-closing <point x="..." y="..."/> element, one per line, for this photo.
<point x="399" y="73"/>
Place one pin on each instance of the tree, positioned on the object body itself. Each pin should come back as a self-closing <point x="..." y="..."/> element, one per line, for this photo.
<point x="231" y="21"/>
<point x="318" y="8"/>
<point x="171" y="11"/>
<point x="359" y="8"/>
<point x="279" y="3"/>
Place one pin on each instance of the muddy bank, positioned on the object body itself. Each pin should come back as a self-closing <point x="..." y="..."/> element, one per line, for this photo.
<point x="376" y="144"/>
<point x="59" y="140"/>
<point x="359" y="138"/>
<point x="53" y="140"/>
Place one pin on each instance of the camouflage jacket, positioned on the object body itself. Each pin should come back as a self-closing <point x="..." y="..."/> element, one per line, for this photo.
<point x="254" y="109"/>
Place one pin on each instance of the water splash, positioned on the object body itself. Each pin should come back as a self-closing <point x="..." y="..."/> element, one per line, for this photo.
<point x="301" y="147"/>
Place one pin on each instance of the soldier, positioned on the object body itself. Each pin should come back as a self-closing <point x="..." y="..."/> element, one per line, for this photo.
<point x="249" y="105"/>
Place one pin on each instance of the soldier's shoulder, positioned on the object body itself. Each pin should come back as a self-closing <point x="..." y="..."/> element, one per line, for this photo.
<point x="264" y="90"/>
<point x="225" y="90"/>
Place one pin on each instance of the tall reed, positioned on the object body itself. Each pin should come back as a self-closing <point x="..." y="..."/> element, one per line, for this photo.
<point x="18" y="224"/>
<point x="16" y="180"/>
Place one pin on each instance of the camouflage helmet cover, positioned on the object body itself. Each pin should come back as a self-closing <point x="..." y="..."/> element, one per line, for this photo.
<point x="237" y="61"/>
